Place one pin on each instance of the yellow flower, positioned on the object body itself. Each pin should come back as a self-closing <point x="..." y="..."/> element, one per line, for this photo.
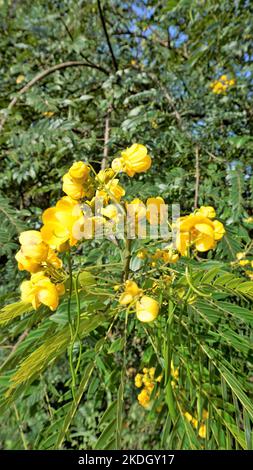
<point x="114" y="189"/>
<point x="147" y="309"/>
<point x="205" y="414"/>
<point x="72" y="187"/>
<point x="20" y="79"/>
<point x="131" y="293"/>
<point x="206" y="211"/>
<point x="249" y="220"/>
<point x="168" y="256"/>
<point x="32" y="245"/>
<point x="33" y="251"/>
<point x="134" y="159"/>
<point x="183" y="242"/>
<point x="137" y="208"/>
<point x="194" y="422"/>
<point x="222" y="84"/>
<point x="48" y="114"/>
<point x="40" y="290"/>
<point x="188" y="416"/>
<point x="111" y="212"/>
<point x="200" y="231"/>
<point x="61" y="224"/>
<point x="249" y="274"/>
<point x="79" y="171"/>
<point x="174" y="371"/>
<point x="219" y="230"/>
<point x="244" y="262"/>
<point x="104" y="176"/>
<point x="142" y="254"/>
<point x="25" y="263"/>
<point x="53" y="259"/>
<point x="155" y="210"/>
<point x="240" y="255"/>
<point x="144" y="398"/>
<point x="138" y="380"/>
<point x="202" y="431"/>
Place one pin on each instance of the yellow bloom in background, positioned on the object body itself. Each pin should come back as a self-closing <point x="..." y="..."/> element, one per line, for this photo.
<point x="249" y="220"/>
<point x="20" y="79"/>
<point x="222" y="84"/>
<point x="138" y="380"/>
<point x="147" y="309"/>
<point x="168" y="256"/>
<point x="144" y="398"/>
<point x="244" y="262"/>
<point x="60" y="222"/>
<point x="134" y="159"/>
<point x="131" y="293"/>
<point x="202" y="431"/>
<point x="142" y="254"/>
<point x="48" y="114"/>
<point x="240" y="255"/>
<point x="188" y="416"/>
<point x="206" y="211"/>
<point x="155" y="210"/>
<point x="40" y="290"/>
<point x="148" y="381"/>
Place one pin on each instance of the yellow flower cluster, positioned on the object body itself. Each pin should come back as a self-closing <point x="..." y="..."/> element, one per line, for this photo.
<point x="244" y="262"/>
<point x="146" y="380"/>
<point x="222" y="84"/>
<point x="200" y="426"/>
<point x="199" y="230"/>
<point x="66" y="223"/>
<point x="147" y="308"/>
<point x="36" y="257"/>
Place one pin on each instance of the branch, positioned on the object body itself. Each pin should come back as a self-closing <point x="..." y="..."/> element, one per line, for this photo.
<point x="107" y="35"/>
<point x="197" y="175"/>
<point x="106" y="139"/>
<point x="43" y="74"/>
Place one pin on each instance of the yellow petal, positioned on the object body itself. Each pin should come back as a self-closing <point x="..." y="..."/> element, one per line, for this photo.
<point x="72" y="188"/>
<point x="206" y="211"/>
<point x="147" y="309"/>
<point x="79" y="171"/>
<point x="219" y="230"/>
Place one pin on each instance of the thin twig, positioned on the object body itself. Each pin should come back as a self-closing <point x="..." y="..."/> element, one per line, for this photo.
<point x="197" y="175"/>
<point x="106" y="139"/>
<point x="43" y="74"/>
<point x="107" y="35"/>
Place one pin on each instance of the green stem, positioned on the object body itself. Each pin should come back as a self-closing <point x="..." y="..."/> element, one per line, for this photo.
<point x="120" y="400"/>
<point x="20" y="427"/>
<point x="70" y="351"/>
<point x="168" y="356"/>
<point x="127" y="257"/>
